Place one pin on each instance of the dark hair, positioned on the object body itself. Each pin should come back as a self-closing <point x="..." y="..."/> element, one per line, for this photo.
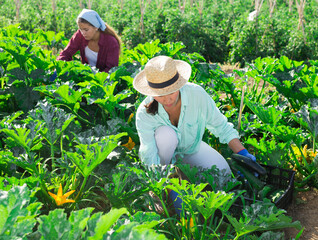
<point x="109" y="30"/>
<point x="152" y="107"/>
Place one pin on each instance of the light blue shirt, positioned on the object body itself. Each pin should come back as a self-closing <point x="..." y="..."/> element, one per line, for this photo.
<point x="198" y="112"/>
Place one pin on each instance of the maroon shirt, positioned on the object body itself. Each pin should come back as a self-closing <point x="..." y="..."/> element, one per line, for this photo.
<point x="108" y="54"/>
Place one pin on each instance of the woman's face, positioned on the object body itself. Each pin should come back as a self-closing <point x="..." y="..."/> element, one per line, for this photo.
<point x="168" y="101"/>
<point x="88" y="31"/>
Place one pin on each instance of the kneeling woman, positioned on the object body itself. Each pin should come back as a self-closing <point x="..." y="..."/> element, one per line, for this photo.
<point x="172" y="119"/>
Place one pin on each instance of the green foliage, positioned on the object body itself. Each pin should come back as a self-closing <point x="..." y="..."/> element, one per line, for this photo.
<point x="218" y="180"/>
<point x="82" y="225"/>
<point x="308" y="118"/>
<point x="270" y="151"/>
<point x="88" y="157"/>
<point x="69" y="131"/>
<point x="260" y="217"/>
<point x="267" y="115"/>
<point x="17" y="213"/>
<point x="125" y="186"/>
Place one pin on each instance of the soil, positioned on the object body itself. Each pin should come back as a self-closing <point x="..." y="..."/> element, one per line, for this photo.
<point x="304" y="208"/>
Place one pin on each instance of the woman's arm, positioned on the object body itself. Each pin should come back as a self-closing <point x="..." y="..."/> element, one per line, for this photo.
<point x="217" y="123"/>
<point x="236" y="145"/>
<point x="148" y="151"/>
<point x="72" y="47"/>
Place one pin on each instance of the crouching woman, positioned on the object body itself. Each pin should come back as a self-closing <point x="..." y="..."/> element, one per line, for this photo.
<point x="173" y="117"/>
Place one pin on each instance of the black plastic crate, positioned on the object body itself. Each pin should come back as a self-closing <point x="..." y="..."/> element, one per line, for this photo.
<point x="278" y="177"/>
<point x="282" y="179"/>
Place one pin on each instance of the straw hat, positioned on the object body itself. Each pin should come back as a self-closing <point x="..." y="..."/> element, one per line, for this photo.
<point x="161" y="76"/>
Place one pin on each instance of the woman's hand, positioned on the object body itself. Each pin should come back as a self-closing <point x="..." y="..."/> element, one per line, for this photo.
<point x="245" y="153"/>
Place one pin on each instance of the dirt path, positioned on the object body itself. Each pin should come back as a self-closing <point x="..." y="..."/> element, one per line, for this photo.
<point x="304" y="209"/>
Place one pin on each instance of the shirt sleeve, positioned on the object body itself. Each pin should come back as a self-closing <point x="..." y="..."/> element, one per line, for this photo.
<point x="217" y="123"/>
<point x="148" y="151"/>
<point x="72" y="47"/>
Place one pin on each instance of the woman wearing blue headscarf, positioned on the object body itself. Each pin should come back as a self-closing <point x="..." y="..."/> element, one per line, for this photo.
<point x="98" y="43"/>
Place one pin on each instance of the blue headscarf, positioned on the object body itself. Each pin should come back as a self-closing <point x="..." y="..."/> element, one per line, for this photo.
<point x="93" y="18"/>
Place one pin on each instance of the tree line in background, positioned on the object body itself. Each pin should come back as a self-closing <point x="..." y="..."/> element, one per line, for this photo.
<point x="228" y="31"/>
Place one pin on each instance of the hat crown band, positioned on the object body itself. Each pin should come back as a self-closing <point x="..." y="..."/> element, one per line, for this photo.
<point x="164" y="84"/>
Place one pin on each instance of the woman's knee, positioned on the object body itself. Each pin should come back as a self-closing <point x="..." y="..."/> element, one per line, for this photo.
<point x="167" y="142"/>
<point x="166" y="136"/>
<point x="206" y="157"/>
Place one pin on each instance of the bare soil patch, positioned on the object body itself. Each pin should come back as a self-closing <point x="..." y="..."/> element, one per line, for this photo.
<point x="304" y="208"/>
<point x="229" y="68"/>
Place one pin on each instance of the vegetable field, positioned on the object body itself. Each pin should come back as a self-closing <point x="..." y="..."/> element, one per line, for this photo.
<point x="69" y="165"/>
<point x="234" y="31"/>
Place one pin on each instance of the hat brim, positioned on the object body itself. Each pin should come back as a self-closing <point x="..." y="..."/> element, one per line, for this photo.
<point x="140" y="82"/>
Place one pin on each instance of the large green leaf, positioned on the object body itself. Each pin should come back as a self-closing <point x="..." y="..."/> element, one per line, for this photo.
<point x="311" y="90"/>
<point x="284" y="132"/>
<point x="67" y="96"/>
<point x="125" y="186"/>
<point x="124" y="71"/>
<point x="157" y="177"/>
<point x="82" y="225"/>
<point x="7" y="183"/>
<point x="26" y="136"/>
<point x="49" y="38"/>
<point x="268" y="115"/>
<point x="26" y="97"/>
<point x="264" y="66"/>
<point x="20" y="136"/>
<point x="106" y="222"/>
<point x="54" y="121"/>
<point x="55" y="225"/>
<point x="106" y="97"/>
<point x="17" y="48"/>
<point x="262" y="216"/>
<point x="171" y="48"/>
<point x="141" y="229"/>
<point x="78" y="221"/>
<point x="133" y="230"/>
<point x="188" y="192"/>
<point x="17" y="213"/>
<point x="143" y="52"/>
<point x="211" y="201"/>
<point x="308" y="118"/>
<point x="90" y="156"/>
<point x="190" y="172"/>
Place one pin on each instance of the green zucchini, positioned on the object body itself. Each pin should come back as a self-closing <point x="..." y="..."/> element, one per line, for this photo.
<point x="265" y="191"/>
<point x="254" y="181"/>
<point x="248" y="162"/>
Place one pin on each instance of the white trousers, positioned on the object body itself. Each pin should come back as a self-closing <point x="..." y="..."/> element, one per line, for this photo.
<point x="206" y="157"/>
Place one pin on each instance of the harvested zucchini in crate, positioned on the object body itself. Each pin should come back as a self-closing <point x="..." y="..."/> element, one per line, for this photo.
<point x="277" y="184"/>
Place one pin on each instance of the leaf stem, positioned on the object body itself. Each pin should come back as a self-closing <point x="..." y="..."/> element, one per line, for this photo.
<point x="173" y="227"/>
<point x="52" y="156"/>
<point x="81" y="189"/>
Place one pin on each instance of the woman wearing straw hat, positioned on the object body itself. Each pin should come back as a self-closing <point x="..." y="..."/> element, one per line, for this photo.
<point x="98" y="43"/>
<point x="172" y="119"/>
